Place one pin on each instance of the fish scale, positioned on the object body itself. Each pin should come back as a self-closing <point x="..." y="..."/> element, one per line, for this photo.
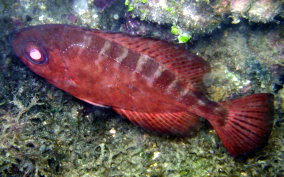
<point x="154" y="84"/>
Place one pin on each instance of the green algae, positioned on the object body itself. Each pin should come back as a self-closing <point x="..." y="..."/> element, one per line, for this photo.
<point x="175" y="30"/>
<point x="144" y="1"/>
<point x="203" y="17"/>
<point x="184" y="38"/>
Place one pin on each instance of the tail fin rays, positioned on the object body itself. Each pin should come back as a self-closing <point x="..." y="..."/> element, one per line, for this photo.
<point x="248" y="123"/>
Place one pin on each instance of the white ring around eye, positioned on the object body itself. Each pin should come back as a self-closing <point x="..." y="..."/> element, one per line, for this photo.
<point x="35" y="54"/>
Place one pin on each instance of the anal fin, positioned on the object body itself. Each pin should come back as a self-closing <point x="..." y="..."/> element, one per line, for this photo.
<point x="176" y="123"/>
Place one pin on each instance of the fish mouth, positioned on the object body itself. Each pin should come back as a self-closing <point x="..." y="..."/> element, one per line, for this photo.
<point x="12" y="40"/>
<point x="12" y="37"/>
<point x="15" y="34"/>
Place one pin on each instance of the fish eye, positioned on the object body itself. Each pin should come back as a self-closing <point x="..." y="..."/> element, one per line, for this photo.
<point x="35" y="53"/>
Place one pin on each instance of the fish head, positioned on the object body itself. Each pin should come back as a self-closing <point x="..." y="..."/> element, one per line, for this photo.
<point x="40" y="48"/>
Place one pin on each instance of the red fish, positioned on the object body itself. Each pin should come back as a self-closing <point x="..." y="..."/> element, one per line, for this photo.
<point x="153" y="83"/>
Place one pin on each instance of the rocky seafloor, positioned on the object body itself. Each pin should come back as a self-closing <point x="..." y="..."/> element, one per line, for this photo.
<point x="46" y="132"/>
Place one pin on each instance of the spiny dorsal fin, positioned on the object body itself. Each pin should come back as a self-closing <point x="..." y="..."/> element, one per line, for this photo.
<point x="178" y="123"/>
<point x="185" y="65"/>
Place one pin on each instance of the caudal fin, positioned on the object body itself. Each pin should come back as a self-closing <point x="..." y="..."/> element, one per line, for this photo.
<point x="248" y="123"/>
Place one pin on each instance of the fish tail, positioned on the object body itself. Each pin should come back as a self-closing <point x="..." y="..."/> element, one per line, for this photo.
<point x="247" y="125"/>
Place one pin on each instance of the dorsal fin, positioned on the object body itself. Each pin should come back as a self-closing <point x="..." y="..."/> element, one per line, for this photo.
<point x="185" y="65"/>
<point x="177" y="123"/>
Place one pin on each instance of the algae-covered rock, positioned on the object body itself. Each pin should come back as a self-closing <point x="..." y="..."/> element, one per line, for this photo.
<point x="46" y="132"/>
<point x="195" y="17"/>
